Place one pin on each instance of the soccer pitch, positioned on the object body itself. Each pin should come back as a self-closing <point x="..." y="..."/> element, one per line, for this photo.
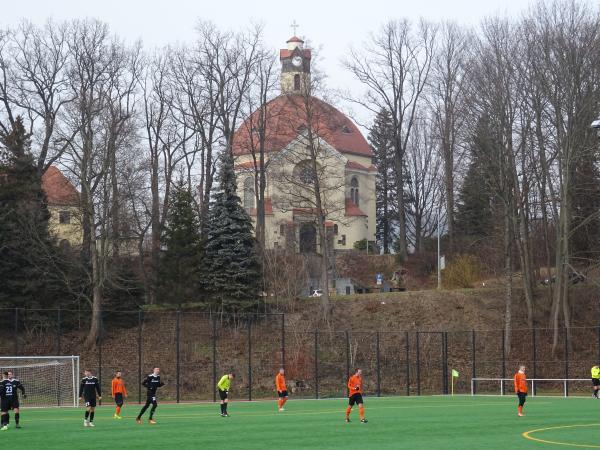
<point x="394" y="423"/>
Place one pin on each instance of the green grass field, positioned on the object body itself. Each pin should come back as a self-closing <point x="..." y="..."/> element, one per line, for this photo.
<point x="396" y="422"/>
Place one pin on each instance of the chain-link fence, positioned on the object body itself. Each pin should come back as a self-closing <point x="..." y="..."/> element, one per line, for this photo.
<point x="193" y="349"/>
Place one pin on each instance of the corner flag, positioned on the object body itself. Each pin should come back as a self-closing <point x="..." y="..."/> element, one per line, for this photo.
<point x="455" y="374"/>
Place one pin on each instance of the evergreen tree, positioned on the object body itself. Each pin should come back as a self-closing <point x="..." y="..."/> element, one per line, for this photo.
<point x="25" y="243"/>
<point x="179" y="279"/>
<point x="475" y="206"/>
<point x="381" y="139"/>
<point x="232" y="272"/>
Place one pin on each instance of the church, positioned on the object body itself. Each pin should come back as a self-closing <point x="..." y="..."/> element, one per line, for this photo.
<point x="301" y="135"/>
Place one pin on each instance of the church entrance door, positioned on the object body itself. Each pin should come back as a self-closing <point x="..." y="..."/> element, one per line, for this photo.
<point x="308" y="238"/>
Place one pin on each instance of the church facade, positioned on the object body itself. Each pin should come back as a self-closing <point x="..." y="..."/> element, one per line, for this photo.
<point x="301" y="135"/>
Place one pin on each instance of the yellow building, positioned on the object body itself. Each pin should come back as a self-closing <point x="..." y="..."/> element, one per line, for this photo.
<point x="63" y="204"/>
<point x="347" y="175"/>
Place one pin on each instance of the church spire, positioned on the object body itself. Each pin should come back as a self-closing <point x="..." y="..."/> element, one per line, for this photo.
<point x="295" y="66"/>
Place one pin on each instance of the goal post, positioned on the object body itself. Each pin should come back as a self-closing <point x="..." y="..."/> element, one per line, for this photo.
<point x="48" y="380"/>
<point x="551" y="386"/>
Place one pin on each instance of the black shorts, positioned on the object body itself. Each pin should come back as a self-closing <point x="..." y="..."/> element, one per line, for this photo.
<point x="5" y="404"/>
<point x="355" y="399"/>
<point x="151" y="400"/>
<point x="282" y="394"/>
<point x="223" y="394"/>
<point x="119" y="399"/>
<point x="90" y="402"/>
<point x="522" y="397"/>
<point x="595" y="381"/>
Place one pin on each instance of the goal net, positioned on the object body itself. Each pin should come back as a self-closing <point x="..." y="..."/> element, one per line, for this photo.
<point x="48" y="380"/>
<point x="536" y="386"/>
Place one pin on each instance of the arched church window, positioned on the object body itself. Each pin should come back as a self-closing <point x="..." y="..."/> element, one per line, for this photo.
<point x="296" y="82"/>
<point x="354" y="190"/>
<point x="249" y="193"/>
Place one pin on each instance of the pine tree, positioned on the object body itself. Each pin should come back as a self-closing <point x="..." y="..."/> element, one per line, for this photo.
<point x="380" y="138"/>
<point x="25" y="243"/>
<point x="475" y="206"/>
<point x="232" y="272"/>
<point x="179" y="279"/>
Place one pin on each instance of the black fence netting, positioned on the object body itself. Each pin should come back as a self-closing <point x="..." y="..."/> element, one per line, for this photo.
<point x="194" y="349"/>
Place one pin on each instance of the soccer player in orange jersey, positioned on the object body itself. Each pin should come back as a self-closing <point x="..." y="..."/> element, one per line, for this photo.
<point x="355" y="395"/>
<point x="119" y="393"/>
<point x="282" y="392"/>
<point x="521" y="388"/>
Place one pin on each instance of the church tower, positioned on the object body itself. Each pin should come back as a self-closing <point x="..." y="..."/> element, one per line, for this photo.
<point x="295" y="66"/>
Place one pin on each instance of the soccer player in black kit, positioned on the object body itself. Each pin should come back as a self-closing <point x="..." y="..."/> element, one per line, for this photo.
<point x="90" y="386"/>
<point x="10" y="399"/>
<point x="151" y="383"/>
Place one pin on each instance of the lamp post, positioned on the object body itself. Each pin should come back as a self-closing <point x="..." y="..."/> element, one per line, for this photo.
<point x="439" y="256"/>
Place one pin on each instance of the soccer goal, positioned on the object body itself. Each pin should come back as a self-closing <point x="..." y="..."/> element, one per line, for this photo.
<point x="537" y="386"/>
<point x="48" y="380"/>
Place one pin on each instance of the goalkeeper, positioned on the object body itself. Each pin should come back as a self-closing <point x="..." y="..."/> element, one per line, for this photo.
<point x="355" y="391"/>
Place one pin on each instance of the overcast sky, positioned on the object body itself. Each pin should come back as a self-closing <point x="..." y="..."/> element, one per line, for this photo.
<point x="331" y="25"/>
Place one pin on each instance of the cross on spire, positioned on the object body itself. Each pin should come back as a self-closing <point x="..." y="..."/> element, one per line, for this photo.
<point x="294" y="25"/>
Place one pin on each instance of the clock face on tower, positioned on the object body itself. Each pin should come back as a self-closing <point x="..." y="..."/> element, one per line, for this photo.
<point x="297" y="61"/>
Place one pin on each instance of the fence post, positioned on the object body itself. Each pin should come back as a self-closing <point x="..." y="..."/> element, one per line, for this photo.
<point x="16" y="331"/>
<point x="443" y="336"/>
<point x="140" y="321"/>
<point x="177" y="334"/>
<point x="534" y="345"/>
<point x="503" y="360"/>
<point x="566" y="362"/>
<point x="378" y="367"/>
<point x="283" y="340"/>
<point x="418" y="367"/>
<point x="347" y="361"/>
<point x="99" y="343"/>
<point x="407" y="365"/>
<point x="446" y="389"/>
<point x="473" y="363"/>
<point x="58" y="331"/>
<point x="317" y="364"/>
<point x="214" y="358"/>
<point x="250" y="359"/>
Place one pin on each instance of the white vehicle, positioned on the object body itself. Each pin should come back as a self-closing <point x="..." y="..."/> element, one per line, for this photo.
<point x="317" y="293"/>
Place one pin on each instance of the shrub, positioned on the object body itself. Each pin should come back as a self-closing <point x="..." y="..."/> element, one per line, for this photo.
<point x="462" y="272"/>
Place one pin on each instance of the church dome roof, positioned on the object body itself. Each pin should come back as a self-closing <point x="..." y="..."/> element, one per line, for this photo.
<point x="287" y="117"/>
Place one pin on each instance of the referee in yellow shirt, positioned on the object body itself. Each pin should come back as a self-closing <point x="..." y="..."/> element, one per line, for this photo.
<point x="224" y="385"/>
<point x="596" y="381"/>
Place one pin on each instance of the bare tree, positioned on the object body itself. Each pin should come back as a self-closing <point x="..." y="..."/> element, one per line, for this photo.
<point x="33" y="64"/>
<point x="448" y="90"/>
<point x="424" y="190"/>
<point x="99" y="77"/>
<point x="395" y="68"/>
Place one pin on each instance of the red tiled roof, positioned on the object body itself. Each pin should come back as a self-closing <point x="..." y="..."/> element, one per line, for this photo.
<point x="294" y="39"/>
<point x="353" y="210"/>
<point x="59" y="190"/>
<point x="357" y="166"/>
<point x="285" y="53"/>
<point x="268" y="208"/>
<point x="286" y="116"/>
